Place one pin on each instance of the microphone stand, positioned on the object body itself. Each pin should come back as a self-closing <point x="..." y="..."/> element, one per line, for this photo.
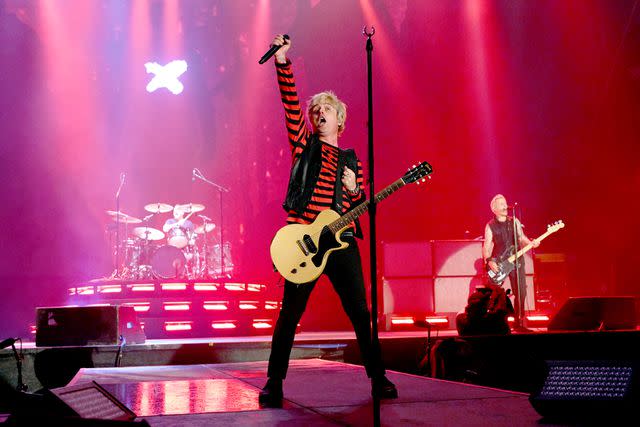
<point x="21" y="387"/>
<point x="375" y="341"/>
<point x="519" y="303"/>
<point x="221" y="189"/>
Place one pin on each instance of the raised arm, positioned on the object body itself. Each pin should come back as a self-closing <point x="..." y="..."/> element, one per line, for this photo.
<point x="296" y="124"/>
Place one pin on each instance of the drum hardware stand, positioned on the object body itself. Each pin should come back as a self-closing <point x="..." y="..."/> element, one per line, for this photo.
<point x="116" y="273"/>
<point x="204" y="269"/>
<point x="144" y="273"/>
<point x="221" y="189"/>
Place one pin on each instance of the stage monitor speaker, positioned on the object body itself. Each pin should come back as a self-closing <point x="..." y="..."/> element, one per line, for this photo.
<point x="73" y="326"/>
<point x="87" y="404"/>
<point x="587" y="390"/>
<point x="595" y="313"/>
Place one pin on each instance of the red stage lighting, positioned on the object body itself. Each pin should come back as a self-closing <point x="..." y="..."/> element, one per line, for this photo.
<point x="178" y="326"/>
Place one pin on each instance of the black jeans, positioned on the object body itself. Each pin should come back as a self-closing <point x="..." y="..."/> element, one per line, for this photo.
<point x="344" y="269"/>
<point x="519" y="292"/>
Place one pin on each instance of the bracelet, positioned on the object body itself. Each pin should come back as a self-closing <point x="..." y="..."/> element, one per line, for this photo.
<point x="355" y="192"/>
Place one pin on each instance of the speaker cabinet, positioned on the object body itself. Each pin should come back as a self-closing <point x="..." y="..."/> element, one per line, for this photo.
<point x="457" y="257"/>
<point x="596" y="313"/>
<point x="74" y="326"/>
<point x="451" y="293"/>
<point x="412" y="295"/>
<point x="406" y="259"/>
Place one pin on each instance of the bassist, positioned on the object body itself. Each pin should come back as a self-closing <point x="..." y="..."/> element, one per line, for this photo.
<point x="322" y="177"/>
<point x="498" y="242"/>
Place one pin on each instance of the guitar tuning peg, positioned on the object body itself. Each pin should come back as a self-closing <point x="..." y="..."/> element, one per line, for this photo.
<point x="429" y="177"/>
<point x="413" y="165"/>
<point x="424" y="180"/>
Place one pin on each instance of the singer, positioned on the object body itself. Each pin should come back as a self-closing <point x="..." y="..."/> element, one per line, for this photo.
<point x="498" y="241"/>
<point x="323" y="176"/>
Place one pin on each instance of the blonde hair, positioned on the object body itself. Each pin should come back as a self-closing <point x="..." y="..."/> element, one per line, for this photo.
<point x="495" y="198"/>
<point x="328" y="97"/>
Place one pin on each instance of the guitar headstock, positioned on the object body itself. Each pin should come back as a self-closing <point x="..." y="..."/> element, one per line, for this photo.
<point x="552" y="228"/>
<point x="418" y="173"/>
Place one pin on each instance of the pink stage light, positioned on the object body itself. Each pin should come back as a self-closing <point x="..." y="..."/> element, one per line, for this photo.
<point x="401" y="320"/>
<point x="538" y="318"/>
<point x="216" y="305"/>
<point x="248" y="305"/>
<point x="32" y="329"/>
<point x="262" y="324"/>
<point x="235" y="286"/>
<point x="174" y="286"/>
<point x="205" y="286"/>
<point x="178" y="326"/>
<point x="271" y="305"/>
<point x="223" y="325"/>
<point x="85" y="290"/>
<point x="142" y="287"/>
<point x="438" y="320"/>
<point x="140" y="307"/>
<point x="109" y="289"/>
<point x="177" y="306"/>
<point x="255" y="287"/>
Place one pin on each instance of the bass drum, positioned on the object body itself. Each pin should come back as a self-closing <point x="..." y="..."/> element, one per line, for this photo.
<point x="168" y="262"/>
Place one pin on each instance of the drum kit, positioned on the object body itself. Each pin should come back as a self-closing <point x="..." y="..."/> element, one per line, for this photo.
<point x="181" y="250"/>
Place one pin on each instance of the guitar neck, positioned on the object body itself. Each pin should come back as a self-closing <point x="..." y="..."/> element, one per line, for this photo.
<point x="351" y="216"/>
<point x="527" y="248"/>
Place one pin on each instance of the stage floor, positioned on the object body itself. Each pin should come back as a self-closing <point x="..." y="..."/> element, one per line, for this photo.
<point x="317" y="392"/>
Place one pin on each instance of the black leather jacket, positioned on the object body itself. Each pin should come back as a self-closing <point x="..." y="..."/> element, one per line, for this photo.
<point x="305" y="173"/>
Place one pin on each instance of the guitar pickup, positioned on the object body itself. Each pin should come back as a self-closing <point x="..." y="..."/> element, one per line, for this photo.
<point x="309" y="244"/>
<point x="302" y="247"/>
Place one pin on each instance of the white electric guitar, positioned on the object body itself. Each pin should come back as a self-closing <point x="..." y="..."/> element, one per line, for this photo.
<point x="300" y="251"/>
<point x="506" y="262"/>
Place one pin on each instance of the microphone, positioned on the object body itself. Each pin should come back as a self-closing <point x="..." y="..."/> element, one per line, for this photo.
<point x="272" y="50"/>
<point x="8" y="342"/>
<point x="122" y="177"/>
<point x="193" y="175"/>
<point x="513" y="206"/>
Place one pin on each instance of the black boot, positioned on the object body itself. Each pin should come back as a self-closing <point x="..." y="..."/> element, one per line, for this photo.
<point x="383" y="388"/>
<point x="271" y="394"/>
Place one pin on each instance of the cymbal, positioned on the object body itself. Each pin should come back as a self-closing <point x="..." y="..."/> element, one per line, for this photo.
<point x="123" y="217"/>
<point x="148" y="233"/>
<point x="201" y="229"/>
<point x="157" y="208"/>
<point x="190" y="207"/>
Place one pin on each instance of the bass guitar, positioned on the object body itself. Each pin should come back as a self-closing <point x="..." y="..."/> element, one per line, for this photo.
<point x="300" y="251"/>
<point x="507" y="263"/>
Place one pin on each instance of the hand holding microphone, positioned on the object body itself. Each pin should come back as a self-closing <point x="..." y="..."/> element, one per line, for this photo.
<point x="280" y="45"/>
